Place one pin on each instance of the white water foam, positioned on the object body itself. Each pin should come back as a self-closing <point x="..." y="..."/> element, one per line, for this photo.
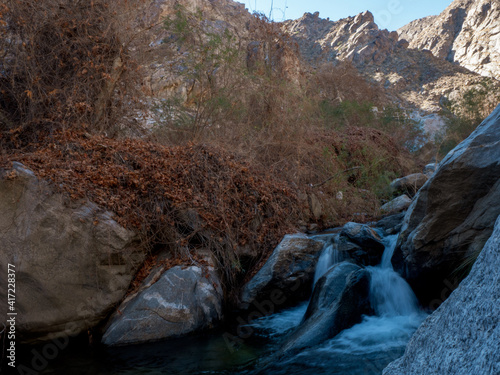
<point x="390" y="294"/>
<point x="279" y="323"/>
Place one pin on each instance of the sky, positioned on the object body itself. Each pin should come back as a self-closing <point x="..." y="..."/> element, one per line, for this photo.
<point x="389" y="14"/>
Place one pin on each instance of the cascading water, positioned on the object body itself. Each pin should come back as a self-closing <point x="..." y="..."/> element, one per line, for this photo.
<point x="390" y="294"/>
<point x="365" y="348"/>
<point x="369" y="346"/>
<point x="329" y="256"/>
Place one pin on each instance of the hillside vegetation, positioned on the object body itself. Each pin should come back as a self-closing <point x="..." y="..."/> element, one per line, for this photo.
<point x="249" y="153"/>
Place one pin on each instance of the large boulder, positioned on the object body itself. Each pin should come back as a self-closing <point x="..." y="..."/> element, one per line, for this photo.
<point x="339" y="300"/>
<point x="175" y="303"/>
<point x="453" y="214"/>
<point x="361" y="243"/>
<point x="463" y="335"/>
<point x="289" y="271"/>
<point x="73" y="262"/>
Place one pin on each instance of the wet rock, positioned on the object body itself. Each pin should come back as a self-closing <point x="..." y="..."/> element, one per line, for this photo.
<point x="463" y="335"/>
<point x="453" y="214"/>
<point x="361" y="243"/>
<point x="73" y="261"/>
<point x="409" y="184"/>
<point x="339" y="300"/>
<point x="181" y="301"/>
<point x="290" y="270"/>
<point x="398" y="204"/>
<point x="391" y="224"/>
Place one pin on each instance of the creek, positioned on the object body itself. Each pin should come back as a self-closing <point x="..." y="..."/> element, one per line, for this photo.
<point x="365" y="348"/>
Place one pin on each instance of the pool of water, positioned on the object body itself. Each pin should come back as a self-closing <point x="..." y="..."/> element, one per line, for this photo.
<point x="366" y="348"/>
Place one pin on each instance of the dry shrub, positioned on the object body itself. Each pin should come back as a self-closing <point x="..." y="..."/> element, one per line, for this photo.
<point x="190" y="197"/>
<point x="281" y="119"/>
<point x="64" y="63"/>
<point x="342" y="82"/>
<point x="184" y="199"/>
<point x="359" y="163"/>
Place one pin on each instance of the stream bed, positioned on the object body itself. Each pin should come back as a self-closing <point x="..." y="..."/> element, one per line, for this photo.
<point x="365" y="348"/>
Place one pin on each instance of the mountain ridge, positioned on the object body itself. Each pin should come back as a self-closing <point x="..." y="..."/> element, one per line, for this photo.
<point x="467" y="32"/>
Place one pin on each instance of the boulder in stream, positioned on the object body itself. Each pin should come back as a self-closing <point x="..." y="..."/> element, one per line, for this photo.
<point x="175" y="303"/>
<point x="391" y="224"/>
<point x="339" y="300"/>
<point x="361" y="243"/>
<point x="289" y="271"/>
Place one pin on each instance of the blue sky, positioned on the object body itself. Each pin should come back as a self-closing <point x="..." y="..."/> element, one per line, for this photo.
<point x="389" y="14"/>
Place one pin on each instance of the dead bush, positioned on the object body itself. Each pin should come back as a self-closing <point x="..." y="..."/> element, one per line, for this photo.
<point x="183" y="199"/>
<point x="64" y="64"/>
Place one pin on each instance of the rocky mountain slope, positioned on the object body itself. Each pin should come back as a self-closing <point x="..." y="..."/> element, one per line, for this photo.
<point x="415" y="79"/>
<point x="467" y="32"/>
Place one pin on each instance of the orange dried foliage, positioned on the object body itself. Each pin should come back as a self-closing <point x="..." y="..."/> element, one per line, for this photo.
<point x="147" y="185"/>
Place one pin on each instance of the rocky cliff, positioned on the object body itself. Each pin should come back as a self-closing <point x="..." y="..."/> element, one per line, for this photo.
<point x="467" y="32"/>
<point x="414" y="79"/>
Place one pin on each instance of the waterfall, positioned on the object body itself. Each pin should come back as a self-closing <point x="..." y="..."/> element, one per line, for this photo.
<point x="366" y="347"/>
<point x="390" y="294"/>
<point x="329" y="256"/>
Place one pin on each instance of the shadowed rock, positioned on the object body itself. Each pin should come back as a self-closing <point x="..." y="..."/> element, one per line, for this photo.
<point x="463" y="335"/>
<point x="339" y="300"/>
<point x="73" y="262"/>
<point x="361" y="243"/>
<point x="289" y="270"/>
<point x="182" y="301"/>
<point x="453" y="214"/>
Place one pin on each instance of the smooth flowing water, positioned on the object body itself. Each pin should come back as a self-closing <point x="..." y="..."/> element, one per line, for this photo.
<point x="390" y="294"/>
<point x="365" y="348"/>
<point x="329" y="256"/>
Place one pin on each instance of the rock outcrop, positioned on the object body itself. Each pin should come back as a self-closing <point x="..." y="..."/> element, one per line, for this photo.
<point x="467" y="32"/>
<point x="339" y="300"/>
<point x="357" y="39"/>
<point x="452" y="216"/>
<point x="462" y="336"/>
<point x="73" y="262"/>
<point x="290" y="269"/>
<point x="416" y="80"/>
<point x="177" y="302"/>
<point x="166" y="62"/>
